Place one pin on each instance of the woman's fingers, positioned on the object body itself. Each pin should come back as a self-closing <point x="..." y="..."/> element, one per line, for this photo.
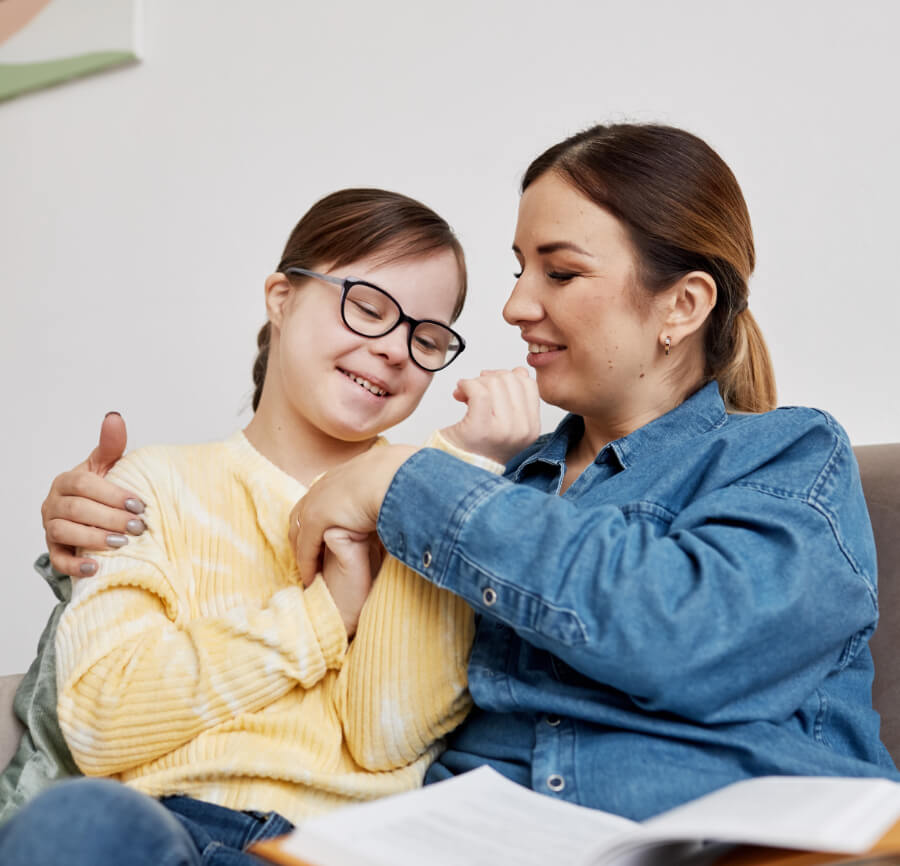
<point x="83" y="509"/>
<point x="111" y="445"/>
<point x="85" y="484"/>
<point x="92" y="514"/>
<point x="71" y="534"/>
<point x="347" y="497"/>
<point x="66" y="562"/>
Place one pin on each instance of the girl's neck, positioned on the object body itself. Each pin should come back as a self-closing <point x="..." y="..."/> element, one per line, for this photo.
<point x="297" y="447"/>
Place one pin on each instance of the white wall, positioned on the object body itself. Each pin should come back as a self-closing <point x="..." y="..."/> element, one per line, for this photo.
<point x="142" y="209"/>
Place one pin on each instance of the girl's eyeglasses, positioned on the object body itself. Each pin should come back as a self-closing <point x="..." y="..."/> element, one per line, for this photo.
<point x="372" y="312"/>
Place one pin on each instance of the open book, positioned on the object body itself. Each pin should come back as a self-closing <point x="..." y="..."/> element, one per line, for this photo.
<point x="483" y="819"/>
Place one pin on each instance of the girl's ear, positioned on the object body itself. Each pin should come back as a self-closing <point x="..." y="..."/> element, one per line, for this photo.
<point x="278" y="291"/>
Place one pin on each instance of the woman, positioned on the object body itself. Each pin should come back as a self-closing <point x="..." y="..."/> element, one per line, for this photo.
<point x="193" y="666"/>
<point x="675" y="589"/>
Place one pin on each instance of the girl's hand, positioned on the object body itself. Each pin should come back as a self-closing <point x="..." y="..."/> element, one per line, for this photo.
<point x="348" y="568"/>
<point x="502" y="414"/>
<point x="347" y="497"/>
<point x="84" y="510"/>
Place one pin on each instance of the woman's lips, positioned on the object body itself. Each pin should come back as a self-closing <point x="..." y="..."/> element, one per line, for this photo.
<point x="541" y="354"/>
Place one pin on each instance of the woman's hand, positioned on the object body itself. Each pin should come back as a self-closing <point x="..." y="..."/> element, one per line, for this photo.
<point x="84" y="510"/>
<point x="502" y="414"/>
<point x="347" y="497"/>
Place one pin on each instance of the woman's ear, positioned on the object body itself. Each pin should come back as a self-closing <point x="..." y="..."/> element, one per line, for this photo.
<point x="278" y="291"/>
<point x="689" y="304"/>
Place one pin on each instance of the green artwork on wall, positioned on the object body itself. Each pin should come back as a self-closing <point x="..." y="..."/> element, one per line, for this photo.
<point x="48" y="42"/>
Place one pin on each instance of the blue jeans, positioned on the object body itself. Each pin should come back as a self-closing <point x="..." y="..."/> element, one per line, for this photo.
<point x="98" y="822"/>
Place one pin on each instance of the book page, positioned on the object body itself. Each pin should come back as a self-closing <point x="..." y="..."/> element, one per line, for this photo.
<point x="816" y="813"/>
<point x="477" y="819"/>
<point x="482" y="819"/>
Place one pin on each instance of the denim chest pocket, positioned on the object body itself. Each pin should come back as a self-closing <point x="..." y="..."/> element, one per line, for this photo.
<point x="655" y="515"/>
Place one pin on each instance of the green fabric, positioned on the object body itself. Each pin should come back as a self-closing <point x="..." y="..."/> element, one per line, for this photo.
<point x="19" y="78"/>
<point x="42" y="756"/>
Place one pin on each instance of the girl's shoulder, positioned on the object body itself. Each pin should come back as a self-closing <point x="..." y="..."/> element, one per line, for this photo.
<point x="151" y="467"/>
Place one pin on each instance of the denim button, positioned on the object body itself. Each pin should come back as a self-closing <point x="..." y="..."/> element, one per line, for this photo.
<point x="553" y="721"/>
<point x="488" y="596"/>
<point x="556" y="783"/>
<point x="426" y="559"/>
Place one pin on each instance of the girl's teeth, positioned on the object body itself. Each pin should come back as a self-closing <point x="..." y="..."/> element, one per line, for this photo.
<point x="538" y="348"/>
<point x="365" y="383"/>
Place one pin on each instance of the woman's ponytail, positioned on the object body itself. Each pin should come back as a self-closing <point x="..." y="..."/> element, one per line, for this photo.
<point x="747" y="381"/>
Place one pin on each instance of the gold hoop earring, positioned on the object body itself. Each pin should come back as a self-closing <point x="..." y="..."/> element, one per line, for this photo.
<point x="668" y="344"/>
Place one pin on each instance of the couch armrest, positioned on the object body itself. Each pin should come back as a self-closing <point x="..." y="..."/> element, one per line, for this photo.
<point x="879" y="468"/>
<point x="10" y="726"/>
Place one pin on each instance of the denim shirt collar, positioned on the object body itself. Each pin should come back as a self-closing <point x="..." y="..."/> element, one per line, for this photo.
<point x="704" y="410"/>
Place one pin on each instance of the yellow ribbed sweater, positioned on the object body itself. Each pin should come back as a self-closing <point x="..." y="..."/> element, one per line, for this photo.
<point x="194" y="662"/>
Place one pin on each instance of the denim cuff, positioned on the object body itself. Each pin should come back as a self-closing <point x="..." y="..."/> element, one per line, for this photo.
<point x="425" y="509"/>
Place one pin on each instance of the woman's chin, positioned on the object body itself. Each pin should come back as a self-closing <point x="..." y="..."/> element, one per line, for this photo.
<point x="552" y="391"/>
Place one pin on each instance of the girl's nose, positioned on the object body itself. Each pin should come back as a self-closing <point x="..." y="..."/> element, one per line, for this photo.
<point x="394" y="346"/>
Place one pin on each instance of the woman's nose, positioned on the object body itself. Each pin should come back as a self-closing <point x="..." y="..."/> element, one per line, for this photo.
<point x="522" y="304"/>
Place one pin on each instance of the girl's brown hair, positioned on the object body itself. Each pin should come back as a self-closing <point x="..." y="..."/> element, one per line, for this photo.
<point x="354" y="224"/>
<point x="684" y="211"/>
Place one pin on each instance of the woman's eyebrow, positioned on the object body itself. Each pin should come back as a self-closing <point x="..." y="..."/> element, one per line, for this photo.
<point x="555" y="246"/>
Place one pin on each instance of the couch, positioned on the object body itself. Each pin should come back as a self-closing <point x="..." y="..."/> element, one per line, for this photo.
<point x="880" y="469"/>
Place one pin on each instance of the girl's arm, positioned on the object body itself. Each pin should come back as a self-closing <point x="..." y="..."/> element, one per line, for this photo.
<point x="140" y="674"/>
<point x="403" y="685"/>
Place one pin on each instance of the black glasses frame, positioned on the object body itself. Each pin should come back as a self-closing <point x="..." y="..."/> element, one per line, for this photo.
<point x="347" y="283"/>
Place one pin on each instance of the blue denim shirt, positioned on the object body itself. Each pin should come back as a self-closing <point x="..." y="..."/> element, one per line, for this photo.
<point x="693" y="610"/>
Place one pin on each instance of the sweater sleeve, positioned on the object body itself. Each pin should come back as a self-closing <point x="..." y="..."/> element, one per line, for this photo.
<point x="404" y="685"/>
<point x="138" y="675"/>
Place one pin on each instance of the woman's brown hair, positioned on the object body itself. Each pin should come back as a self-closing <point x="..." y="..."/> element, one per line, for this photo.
<point x="354" y="224"/>
<point x="684" y="211"/>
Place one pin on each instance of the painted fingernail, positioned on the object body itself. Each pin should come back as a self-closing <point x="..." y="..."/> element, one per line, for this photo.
<point x="116" y="540"/>
<point x="135" y="527"/>
<point x="135" y="506"/>
<point x="87" y="568"/>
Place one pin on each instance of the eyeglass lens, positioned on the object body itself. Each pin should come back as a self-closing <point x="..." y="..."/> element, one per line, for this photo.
<point x="372" y="312"/>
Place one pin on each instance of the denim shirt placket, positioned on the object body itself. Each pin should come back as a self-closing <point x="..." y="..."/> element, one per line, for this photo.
<point x="554" y="757"/>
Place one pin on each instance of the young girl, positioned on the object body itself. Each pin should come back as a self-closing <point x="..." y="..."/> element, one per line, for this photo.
<point x="194" y="667"/>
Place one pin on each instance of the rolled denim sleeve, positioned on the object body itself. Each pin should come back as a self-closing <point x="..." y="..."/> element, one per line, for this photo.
<point x="707" y="610"/>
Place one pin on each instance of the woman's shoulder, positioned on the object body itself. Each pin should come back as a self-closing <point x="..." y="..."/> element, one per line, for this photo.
<point x="795" y="449"/>
<point x="786" y="425"/>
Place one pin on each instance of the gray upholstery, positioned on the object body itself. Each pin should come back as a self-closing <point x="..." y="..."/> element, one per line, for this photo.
<point x="879" y="466"/>
<point x="10" y="728"/>
<point x="880" y="469"/>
